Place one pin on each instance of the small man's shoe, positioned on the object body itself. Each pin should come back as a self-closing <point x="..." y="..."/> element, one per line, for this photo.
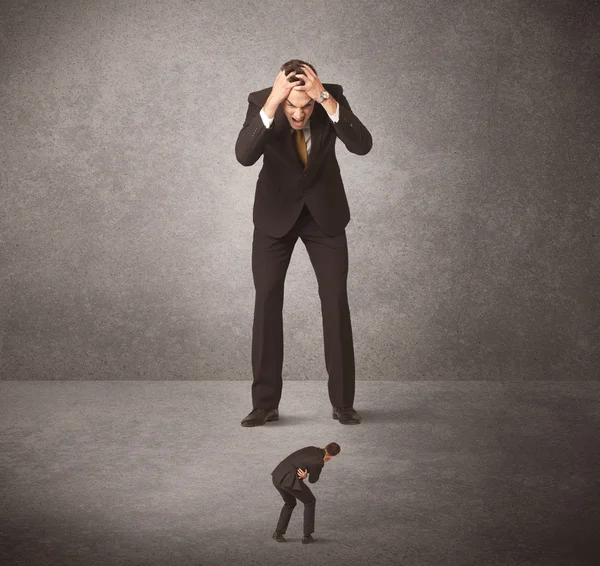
<point x="259" y="417"/>
<point x="278" y="537"/>
<point x="346" y="415"/>
<point x="307" y="539"/>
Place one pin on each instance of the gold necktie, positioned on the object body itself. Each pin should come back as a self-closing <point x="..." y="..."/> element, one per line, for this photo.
<point x="300" y="143"/>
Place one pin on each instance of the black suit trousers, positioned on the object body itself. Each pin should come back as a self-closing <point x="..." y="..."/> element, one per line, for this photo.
<point x="289" y="497"/>
<point x="270" y="260"/>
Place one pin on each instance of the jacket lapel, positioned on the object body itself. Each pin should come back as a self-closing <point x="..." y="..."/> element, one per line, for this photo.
<point x="281" y="124"/>
<point x="317" y="129"/>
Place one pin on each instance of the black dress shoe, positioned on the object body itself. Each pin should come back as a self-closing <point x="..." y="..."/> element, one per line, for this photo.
<point x="346" y="415"/>
<point x="307" y="539"/>
<point x="278" y="537"/>
<point x="260" y="416"/>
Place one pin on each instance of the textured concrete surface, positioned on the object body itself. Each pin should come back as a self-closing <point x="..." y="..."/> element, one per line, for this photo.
<point x="126" y="228"/>
<point x="162" y="473"/>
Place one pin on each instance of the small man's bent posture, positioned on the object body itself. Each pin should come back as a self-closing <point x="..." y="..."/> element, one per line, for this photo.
<point x="300" y="194"/>
<point x="288" y="479"/>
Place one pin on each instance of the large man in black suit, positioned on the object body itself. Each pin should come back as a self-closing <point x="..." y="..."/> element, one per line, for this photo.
<point x="299" y="193"/>
<point x="288" y="479"/>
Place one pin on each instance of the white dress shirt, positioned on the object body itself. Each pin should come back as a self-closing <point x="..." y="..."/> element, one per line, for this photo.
<point x="306" y="129"/>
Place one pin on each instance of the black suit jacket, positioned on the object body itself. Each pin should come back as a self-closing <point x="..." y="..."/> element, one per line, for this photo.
<point x="283" y="183"/>
<point x="309" y="458"/>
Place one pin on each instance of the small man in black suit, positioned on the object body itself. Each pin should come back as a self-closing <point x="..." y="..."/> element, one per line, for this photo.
<point x="287" y="479"/>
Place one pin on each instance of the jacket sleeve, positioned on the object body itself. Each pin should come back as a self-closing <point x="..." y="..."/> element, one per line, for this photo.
<point x="351" y="130"/>
<point x="253" y="136"/>
<point x="314" y="472"/>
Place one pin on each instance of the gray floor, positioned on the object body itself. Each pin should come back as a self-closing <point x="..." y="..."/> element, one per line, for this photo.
<point x="461" y="473"/>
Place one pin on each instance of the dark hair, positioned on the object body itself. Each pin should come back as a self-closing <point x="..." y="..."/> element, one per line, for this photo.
<point x="333" y="448"/>
<point x="296" y="66"/>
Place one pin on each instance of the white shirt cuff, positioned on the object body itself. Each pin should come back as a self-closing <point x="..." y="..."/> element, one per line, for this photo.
<point x="266" y="120"/>
<point x="335" y="117"/>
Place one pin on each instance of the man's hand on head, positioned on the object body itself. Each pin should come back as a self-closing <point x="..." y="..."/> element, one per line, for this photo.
<point x="312" y="85"/>
<point x="280" y="91"/>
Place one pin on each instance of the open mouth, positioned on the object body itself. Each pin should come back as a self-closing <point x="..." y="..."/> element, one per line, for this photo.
<point x="297" y="122"/>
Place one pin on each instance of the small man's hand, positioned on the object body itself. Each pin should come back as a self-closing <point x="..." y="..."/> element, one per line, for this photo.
<point x="312" y="85"/>
<point x="302" y="474"/>
<point x="280" y="91"/>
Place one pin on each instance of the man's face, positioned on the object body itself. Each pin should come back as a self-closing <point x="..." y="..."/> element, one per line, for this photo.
<point x="298" y="107"/>
<point x="327" y="458"/>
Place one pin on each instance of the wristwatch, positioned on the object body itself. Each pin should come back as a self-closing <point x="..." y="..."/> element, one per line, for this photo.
<point x="323" y="96"/>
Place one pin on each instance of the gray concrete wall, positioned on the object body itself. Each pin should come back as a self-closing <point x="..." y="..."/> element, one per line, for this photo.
<point x="126" y="221"/>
